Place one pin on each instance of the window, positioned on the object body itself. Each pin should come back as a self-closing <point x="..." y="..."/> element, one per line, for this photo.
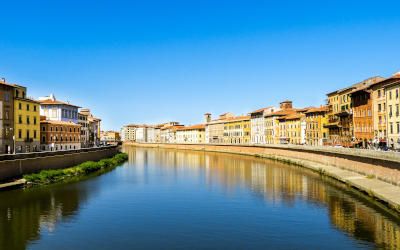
<point x="43" y="139"/>
<point x="390" y="95"/>
<point x="34" y="120"/>
<point x="379" y="107"/>
<point x="27" y="107"/>
<point x="19" y="133"/>
<point x="27" y="134"/>
<point x="28" y="120"/>
<point x="34" y="134"/>
<point x="391" y="128"/>
<point x="379" y="93"/>
<point x="19" y="106"/>
<point x="34" y="108"/>
<point x="20" y="119"/>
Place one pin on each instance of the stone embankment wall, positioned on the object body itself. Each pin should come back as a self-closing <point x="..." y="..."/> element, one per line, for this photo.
<point x="374" y="173"/>
<point x="13" y="166"/>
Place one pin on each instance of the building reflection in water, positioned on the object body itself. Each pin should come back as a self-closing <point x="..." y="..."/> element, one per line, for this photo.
<point x="25" y="213"/>
<point x="280" y="183"/>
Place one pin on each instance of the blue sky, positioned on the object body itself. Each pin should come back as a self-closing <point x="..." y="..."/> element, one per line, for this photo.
<point x="154" y="61"/>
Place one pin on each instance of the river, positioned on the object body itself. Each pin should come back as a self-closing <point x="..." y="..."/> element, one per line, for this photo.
<point x="169" y="199"/>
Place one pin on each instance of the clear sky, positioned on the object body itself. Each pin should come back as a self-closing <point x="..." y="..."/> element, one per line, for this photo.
<point x="154" y="61"/>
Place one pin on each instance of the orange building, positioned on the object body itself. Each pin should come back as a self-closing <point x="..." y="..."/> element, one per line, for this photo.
<point x="59" y="135"/>
<point x="362" y="117"/>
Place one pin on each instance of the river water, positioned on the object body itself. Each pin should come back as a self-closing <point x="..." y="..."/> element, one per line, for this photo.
<point x="168" y="199"/>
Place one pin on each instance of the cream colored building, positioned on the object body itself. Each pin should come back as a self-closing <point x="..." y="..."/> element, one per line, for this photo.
<point x="215" y="128"/>
<point x="168" y="132"/>
<point x="191" y="134"/>
<point x="257" y="124"/>
<point x="393" y="113"/>
<point x="128" y="133"/>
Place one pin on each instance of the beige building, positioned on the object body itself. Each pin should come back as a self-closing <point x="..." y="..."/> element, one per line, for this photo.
<point x="379" y="109"/>
<point x="191" y="134"/>
<point x="393" y="113"/>
<point x="109" y="137"/>
<point x="168" y="132"/>
<point x="128" y="133"/>
<point x="215" y="128"/>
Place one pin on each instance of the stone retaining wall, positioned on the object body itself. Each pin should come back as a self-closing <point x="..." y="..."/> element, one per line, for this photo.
<point x="387" y="170"/>
<point x="35" y="162"/>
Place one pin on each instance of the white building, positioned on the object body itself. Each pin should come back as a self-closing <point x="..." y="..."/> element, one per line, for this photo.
<point x="141" y="133"/>
<point x="153" y="134"/>
<point x="128" y="133"/>
<point x="168" y="132"/>
<point x="257" y="124"/>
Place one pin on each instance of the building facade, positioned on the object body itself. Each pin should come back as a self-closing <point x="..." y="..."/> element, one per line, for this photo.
<point x="128" y="133"/>
<point x="316" y="132"/>
<point x="26" y="122"/>
<point x="215" y="128"/>
<point x="393" y="114"/>
<point x="237" y="130"/>
<point x="362" y="117"/>
<point x="340" y="114"/>
<point x="59" y="135"/>
<point x="6" y="117"/>
<point x="257" y="124"/>
<point x="109" y="137"/>
<point x="191" y="134"/>
<point x="84" y="122"/>
<point x="55" y="110"/>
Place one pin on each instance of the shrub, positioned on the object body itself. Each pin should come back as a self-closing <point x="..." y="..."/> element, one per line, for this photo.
<point x="56" y="175"/>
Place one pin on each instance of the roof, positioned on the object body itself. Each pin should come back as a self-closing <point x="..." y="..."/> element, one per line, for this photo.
<point x="55" y="102"/>
<point x="293" y="116"/>
<point x="316" y="110"/>
<point x="260" y="110"/>
<point x="193" y="127"/>
<point x="368" y="81"/>
<point x="237" y="118"/>
<point x="60" y="123"/>
<point x="282" y="112"/>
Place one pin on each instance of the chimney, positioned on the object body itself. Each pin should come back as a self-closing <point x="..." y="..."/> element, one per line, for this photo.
<point x="207" y="117"/>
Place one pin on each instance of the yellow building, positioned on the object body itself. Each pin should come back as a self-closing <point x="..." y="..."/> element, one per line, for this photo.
<point x="272" y="126"/>
<point x="26" y="122"/>
<point x="292" y="128"/>
<point x="237" y="130"/>
<point x="316" y="132"/>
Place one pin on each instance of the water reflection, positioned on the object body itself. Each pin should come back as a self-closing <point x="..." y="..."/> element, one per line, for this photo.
<point x="280" y="183"/>
<point x="25" y="214"/>
<point x="28" y="215"/>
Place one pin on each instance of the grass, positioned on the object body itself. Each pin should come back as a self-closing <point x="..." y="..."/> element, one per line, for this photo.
<point x="58" y="175"/>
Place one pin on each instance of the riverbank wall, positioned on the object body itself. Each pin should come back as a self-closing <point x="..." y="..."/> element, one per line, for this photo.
<point x="14" y="166"/>
<point x="374" y="173"/>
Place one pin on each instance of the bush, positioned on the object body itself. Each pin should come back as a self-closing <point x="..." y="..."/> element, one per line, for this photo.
<point x="56" y="175"/>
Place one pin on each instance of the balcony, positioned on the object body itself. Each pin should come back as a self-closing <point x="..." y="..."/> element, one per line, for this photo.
<point x="345" y="112"/>
<point x="333" y="122"/>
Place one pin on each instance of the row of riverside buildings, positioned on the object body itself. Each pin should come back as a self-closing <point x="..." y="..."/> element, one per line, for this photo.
<point x="365" y="114"/>
<point x="43" y="124"/>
